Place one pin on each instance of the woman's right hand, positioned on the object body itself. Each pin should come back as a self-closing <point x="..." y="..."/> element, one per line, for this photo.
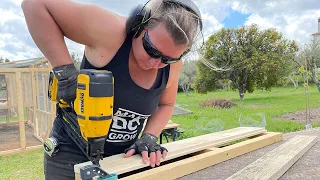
<point x="67" y="82"/>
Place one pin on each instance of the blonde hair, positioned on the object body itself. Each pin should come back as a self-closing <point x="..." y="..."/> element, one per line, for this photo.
<point x="180" y="23"/>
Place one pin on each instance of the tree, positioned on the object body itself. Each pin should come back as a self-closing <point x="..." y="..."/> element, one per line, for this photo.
<point x="254" y="59"/>
<point x="3" y="60"/>
<point x="187" y="76"/>
<point x="76" y="59"/>
<point x="309" y="58"/>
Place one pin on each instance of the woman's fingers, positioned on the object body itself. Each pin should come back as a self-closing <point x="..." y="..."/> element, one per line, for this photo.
<point x="159" y="155"/>
<point x="145" y="157"/>
<point x="152" y="159"/>
<point x="164" y="154"/>
<point x="129" y="153"/>
<point x="151" y="154"/>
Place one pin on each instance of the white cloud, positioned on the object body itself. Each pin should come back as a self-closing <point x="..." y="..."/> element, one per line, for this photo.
<point x="211" y="24"/>
<point x="295" y="19"/>
<point x="17" y="2"/>
<point x="295" y="26"/>
<point x="262" y="22"/>
<point x="240" y="7"/>
<point x="7" y="15"/>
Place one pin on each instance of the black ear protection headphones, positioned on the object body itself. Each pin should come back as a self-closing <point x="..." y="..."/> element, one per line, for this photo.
<point x="139" y="16"/>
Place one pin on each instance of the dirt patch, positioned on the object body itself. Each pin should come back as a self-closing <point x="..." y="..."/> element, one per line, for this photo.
<point x="219" y="103"/>
<point x="300" y="116"/>
<point x="10" y="137"/>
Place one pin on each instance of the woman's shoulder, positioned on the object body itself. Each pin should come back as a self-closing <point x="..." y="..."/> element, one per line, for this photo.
<point x="114" y="36"/>
<point x="111" y="40"/>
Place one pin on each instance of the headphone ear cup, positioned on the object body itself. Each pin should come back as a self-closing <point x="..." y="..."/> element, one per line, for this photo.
<point x="144" y="21"/>
<point x="136" y="19"/>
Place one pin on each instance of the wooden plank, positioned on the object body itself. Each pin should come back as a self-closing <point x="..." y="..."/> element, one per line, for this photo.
<point x="8" y="98"/>
<point x="20" y="111"/>
<point x="52" y="105"/>
<point x="45" y="103"/>
<point x="4" y="106"/>
<point x="39" y="124"/>
<point x="275" y="163"/>
<point x="10" y="70"/>
<point x="117" y="164"/>
<point x="43" y="112"/>
<point x="9" y="123"/>
<point x="34" y="102"/>
<point x="171" y="125"/>
<point x="19" y="151"/>
<point x="206" y="159"/>
<point x="18" y="61"/>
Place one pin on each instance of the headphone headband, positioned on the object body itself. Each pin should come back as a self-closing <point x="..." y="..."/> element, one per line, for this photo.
<point x="190" y="6"/>
<point x="139" y="16"/>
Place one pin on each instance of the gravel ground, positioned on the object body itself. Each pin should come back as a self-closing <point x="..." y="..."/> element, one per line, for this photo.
<point x="307" y="167"/>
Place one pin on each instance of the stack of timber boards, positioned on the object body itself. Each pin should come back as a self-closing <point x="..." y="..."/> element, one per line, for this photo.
<point x="274" y="164"/>
<point x="202" y="149"/>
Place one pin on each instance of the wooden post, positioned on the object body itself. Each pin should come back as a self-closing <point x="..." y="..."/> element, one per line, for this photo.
<point x="34" y="99"/>
<point x="38" y="105"/>
<point x="45" y="103"/>
<point x="8" y="98"/>
<point x="52" y="107"/>
<point x="20" y="111"/>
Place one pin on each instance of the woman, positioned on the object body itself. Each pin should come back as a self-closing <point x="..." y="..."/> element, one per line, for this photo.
<point x="143" y="53"/>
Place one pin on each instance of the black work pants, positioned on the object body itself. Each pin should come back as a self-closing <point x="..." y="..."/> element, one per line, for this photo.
<point x="61" y="165"/>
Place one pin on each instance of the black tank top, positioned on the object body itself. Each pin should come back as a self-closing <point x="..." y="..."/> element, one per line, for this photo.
<point x="132" y="103"/>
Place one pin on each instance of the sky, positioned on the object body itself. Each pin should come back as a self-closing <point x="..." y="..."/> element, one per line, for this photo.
<point x="295" y="19"/>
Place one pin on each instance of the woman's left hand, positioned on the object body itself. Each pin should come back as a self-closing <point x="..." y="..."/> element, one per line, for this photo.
<point x="147" y="146"/>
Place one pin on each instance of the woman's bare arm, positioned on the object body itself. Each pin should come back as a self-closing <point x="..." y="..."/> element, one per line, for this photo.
<point x="49" y="21"/>
<point x="160" y="118"/>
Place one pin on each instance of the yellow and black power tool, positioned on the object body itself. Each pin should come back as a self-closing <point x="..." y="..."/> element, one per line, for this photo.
<point x="92" y="110"/>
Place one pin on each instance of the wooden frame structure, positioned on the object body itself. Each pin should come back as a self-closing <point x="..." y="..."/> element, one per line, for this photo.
<point x="196" y="153"/>
<point x="189" y="155"/>
<point x="27" y="92"/>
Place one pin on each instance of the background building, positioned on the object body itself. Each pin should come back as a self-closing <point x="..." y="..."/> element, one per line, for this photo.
<point x="317" y="34"/>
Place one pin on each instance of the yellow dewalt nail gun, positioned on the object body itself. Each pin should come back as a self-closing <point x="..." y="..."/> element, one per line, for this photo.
<point x="93" y="109"/>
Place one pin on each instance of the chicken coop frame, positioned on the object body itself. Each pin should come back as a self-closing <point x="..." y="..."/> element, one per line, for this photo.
<point x="26" y="87"/>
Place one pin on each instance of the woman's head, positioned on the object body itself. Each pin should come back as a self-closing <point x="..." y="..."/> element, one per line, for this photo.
<point x="170" y="32"/>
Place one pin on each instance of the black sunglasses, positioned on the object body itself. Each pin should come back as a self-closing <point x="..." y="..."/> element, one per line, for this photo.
<point x="155" y="53"/>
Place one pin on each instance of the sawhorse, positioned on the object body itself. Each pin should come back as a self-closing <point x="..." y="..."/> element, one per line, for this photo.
<point x="171" y="129"/>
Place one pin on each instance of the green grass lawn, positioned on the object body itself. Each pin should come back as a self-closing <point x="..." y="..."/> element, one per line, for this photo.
<point x="27" y="166"/>
<point x="275" y="103"/>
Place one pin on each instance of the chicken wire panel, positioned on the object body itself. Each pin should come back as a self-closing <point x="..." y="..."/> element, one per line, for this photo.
<point x="40" y="92"/>
<point x="11" y="90"/>
<point x="3" y="88"/>
<point x="27" y="89"/>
